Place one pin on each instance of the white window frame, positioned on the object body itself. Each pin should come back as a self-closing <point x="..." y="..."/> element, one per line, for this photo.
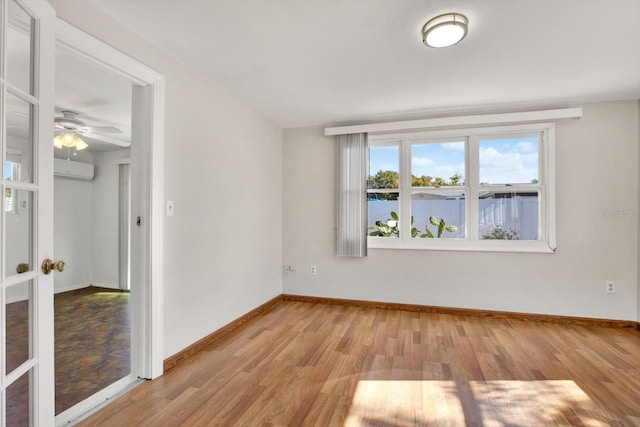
<point x="546" y="242"/>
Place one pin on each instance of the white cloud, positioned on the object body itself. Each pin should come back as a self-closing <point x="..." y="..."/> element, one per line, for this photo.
<point x="453" y="146"/>
<point x="423" y="166"/>
<point x="527" y="146"/>
<point x="498" y="167"/>
<point x="421" y="162"/>
<point x="447" y="171"/>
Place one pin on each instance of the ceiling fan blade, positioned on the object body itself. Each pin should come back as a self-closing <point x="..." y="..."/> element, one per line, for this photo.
<point x="102" y="129"/>
<point x="107" y="139"/>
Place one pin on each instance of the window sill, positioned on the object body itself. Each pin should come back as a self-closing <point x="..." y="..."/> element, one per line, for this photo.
<point x="460" y="245"/>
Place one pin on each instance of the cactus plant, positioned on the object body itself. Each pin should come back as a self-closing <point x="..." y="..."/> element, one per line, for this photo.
<point x="442" y="227"/>
<point x="391" y="227"/>
<point x="388" y="228"/>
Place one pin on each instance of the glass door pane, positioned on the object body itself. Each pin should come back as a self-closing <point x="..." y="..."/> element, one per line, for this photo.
<point x="19" y="44"/>
<point x="19" y="142"/>
<point x="17" y="215"/>
<point x="26" y="295"/>
<point x="18" y="209"/>
<point x="18" y="324"/>
<point x="19" y="401"/>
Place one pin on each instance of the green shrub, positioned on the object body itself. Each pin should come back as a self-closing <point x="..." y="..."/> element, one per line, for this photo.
<point x="499" y="233"/>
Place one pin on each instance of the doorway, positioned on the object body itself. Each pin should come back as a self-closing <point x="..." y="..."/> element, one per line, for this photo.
<point x="92" y="138"/>
<point x="132" y="191"/>
<point x="29" y="32"/>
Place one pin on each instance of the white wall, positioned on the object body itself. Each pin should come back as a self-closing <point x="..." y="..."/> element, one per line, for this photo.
<point x="86" y="224"/>
<point x="72" y="232"/>
<point x="105" y="233"/>
<point x="223" y="169"/>
<point x="597" y="187"/>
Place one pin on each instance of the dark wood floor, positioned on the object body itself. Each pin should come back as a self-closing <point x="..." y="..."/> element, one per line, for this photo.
<point x="17" y="352"/>
<point x="305" y="364"/>
<point x="92" y="330"/>
<point x="91" y="347"/>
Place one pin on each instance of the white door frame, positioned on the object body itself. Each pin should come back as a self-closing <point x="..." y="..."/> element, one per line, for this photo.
<point x="149" y="353"/>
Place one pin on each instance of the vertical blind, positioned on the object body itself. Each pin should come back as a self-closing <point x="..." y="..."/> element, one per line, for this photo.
<point x="352" y="195"/>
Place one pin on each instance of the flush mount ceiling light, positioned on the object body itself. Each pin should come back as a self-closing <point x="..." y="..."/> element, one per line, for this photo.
<point x="445" y="30"/>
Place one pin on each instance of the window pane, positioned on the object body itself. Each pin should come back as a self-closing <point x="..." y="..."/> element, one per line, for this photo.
<point x="384" y="167"/>
<point x="19" y="48"/>
<point x="19" y="146"/>
<point x="437" y="164"/>
<point x="509" y="160"/>
<point x="19" y="231"/>
<point x="508" y="216"/>
<point x="18" y="324"/>
<point x="383" y="215"/>
<point x="19" y="396"/>
<point x="438" y="214"/>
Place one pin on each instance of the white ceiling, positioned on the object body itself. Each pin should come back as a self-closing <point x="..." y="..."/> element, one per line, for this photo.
<point x="99" y="96"/>
<point x="310" y="62"/>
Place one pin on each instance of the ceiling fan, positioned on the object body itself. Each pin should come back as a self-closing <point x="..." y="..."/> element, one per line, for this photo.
<point x="69" y="129"/>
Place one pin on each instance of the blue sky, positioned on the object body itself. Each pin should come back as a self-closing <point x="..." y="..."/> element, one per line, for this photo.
<point x="438" y="159"/>
<point x="8" y="170"/>
<point x="513" y="160"/>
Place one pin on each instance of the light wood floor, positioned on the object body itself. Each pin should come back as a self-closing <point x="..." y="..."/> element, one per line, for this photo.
<point x="305" y="364"/>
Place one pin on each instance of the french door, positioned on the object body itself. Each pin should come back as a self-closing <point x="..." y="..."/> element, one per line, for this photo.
<point x="27" y="41"/>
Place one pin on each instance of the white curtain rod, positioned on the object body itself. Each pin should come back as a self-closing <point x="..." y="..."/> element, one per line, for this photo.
<point x="481" y="119"/>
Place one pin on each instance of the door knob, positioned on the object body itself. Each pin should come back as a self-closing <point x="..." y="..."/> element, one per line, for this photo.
<point x="48" y="265"/>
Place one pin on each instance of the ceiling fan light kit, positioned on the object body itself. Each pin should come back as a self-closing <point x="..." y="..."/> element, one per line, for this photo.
<point x="69" y="140"/>
<point x="71" y="129"/>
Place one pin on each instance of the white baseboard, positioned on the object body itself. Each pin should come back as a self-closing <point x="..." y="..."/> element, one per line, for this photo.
<point x="105" y="285"/>
<point x="68" y="288"/>
<point x="11" y="298"/>
<point x="15" y="298"/>
<point x="85" y="285"/>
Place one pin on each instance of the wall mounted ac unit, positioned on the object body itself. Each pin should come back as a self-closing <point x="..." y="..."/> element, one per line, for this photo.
<point x="72" y="170"/>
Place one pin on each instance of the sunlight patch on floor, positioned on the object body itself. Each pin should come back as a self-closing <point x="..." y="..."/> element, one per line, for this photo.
<point x="487" y="403"/>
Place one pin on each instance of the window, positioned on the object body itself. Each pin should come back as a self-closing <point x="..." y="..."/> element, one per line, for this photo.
<point x="472" y="189"/>
<point x="11" y="173"/>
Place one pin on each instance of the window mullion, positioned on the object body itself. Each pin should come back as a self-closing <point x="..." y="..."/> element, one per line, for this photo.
<point x="473" y="183"/>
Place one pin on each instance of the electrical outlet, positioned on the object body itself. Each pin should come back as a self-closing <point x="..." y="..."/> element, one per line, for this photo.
<point x="611" y="287"/>
<point x="289" y="269"/>
<point x="313" y="270"/>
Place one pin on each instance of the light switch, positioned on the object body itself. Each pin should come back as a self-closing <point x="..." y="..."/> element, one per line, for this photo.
<point x="169" y="207"/>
